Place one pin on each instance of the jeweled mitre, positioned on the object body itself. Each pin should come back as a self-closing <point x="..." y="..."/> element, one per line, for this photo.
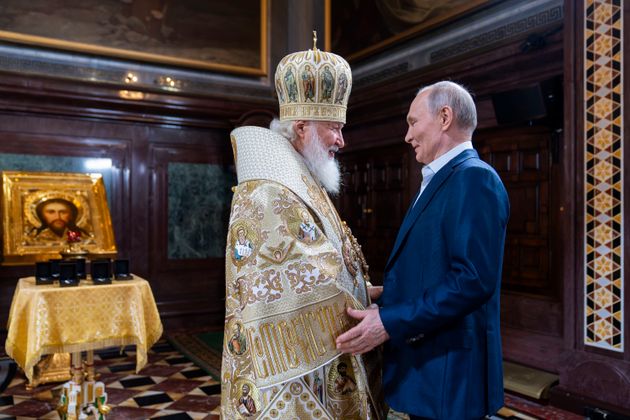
<point x="313" y="85"/>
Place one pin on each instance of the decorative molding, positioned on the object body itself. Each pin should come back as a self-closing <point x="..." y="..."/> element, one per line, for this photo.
<point x="502" y="21"/>
<point x="527" y="24"/>
<point x="138" y="77"/>
<point x="603" y="174"/>
<point x="596" y="377"/>
<point x="384" y="74"/>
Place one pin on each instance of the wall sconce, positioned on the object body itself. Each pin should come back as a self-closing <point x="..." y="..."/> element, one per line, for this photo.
<point x="131" y="78"/>
<point x="168" y="82"/>
<point x="131" y="95"/>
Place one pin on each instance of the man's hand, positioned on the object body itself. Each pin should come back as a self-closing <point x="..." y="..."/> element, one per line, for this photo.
<point x="375" y="292"/>
<point x="366" y="335"/>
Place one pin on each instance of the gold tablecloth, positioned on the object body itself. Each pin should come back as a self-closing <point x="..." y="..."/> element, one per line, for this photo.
<point x="51" y="319"/>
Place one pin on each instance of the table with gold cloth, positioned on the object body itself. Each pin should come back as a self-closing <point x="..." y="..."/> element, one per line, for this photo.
<point x="51" y="319"/>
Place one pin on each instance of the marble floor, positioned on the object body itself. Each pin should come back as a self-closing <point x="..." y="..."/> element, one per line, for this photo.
<point x="169" y="387"/>
<point x="173" y="387"/>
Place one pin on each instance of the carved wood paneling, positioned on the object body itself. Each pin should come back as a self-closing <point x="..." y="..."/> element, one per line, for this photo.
<point x="373" y="200"/>
<point x="523" y="164"/>
<point x="61" y="118"/>
<point x="185" y="283"/>
<point x="536" y="258"/>
<point x="36" y="136"/>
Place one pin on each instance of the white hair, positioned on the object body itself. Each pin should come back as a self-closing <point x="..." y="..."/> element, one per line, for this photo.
<point x="455" y="96"/>
<point x="283" y="128"/>
<point x="315" y="155"/>
<point x="323" y="168"/>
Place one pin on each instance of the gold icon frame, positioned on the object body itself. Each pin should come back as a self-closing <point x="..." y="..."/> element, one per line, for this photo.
<point x="21" y="224"/>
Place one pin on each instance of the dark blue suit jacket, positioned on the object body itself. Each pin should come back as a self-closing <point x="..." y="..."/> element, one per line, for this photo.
<point x="440" y="303"/>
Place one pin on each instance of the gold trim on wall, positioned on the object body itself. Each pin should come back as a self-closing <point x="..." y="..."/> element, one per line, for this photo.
<point x="263" y="37"/>
<point x="603" y="116"/>
<point x="27" y="237"/>
<point x="151" y="57"/>
<point x="327" y="26"/>
<point x="454" y="13"/>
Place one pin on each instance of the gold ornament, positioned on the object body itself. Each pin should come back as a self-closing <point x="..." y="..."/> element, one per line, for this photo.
<point x="313" y="85"/>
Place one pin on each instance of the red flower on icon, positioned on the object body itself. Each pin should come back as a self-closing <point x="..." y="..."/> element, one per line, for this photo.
<point x="74" y="236"/>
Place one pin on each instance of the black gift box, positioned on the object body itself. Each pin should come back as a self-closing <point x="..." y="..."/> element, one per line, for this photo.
<point x="68" y="274"/>
<point x="121" y="270"/>
<point x="43" y="273"/>
<point x="101" y="271"/>
<point x="54" y="268"/>
<point x="81" y="272"/>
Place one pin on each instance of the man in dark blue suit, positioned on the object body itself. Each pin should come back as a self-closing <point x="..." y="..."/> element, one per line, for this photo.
<point x="438" y="313"/>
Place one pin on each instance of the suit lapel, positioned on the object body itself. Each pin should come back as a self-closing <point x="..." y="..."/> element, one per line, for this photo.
<point x="411" y="206"/>
<point x="424" y="200"/>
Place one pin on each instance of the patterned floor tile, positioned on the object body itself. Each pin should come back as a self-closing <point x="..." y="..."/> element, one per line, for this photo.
<point x="211" y="389"/>
<point x="107" y="377"/>
<point x="137" y="382"/>
<point x="117" y="396"/>
<point x="109" y="354"/>
<point x="153" y="399"/>
<point x="178" y="360"/>
<point x="53" y="415"/>
<point x="196" y="403"/>
<point x="44" y="395"/>
<point x="177" y="385"/>
<point x="172" y="415"/>
<point x="155" y="358"/>
<point x="147" y="394"/>
<point x="124" y="367"/>
<point x="20" y="389"/>
<point x="131" y="413"/>
<point x="160" y="370"/>
<point x="30" y="408"/>
<point x="195" y="373"/>
<point x="197" y="416"/>
<point x="161" y="390"/>
<point x="19" y="379"/>
<point x="18" y="399"/>
<point x="163" y="347"/>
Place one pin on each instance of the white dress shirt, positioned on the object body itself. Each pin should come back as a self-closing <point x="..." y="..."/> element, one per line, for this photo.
<point x="430" y="169"/>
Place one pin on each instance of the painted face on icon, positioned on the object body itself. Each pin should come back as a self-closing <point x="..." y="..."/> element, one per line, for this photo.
<point x="56" y="216"/>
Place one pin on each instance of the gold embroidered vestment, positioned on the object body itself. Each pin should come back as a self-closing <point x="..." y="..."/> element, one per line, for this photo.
<point x="292" y="268"/>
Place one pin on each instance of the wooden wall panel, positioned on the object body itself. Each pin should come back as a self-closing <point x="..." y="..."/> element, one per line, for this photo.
<point x="523" y="164"/>
<point x="42" y="116"/>
<point x="532" y="306"/>
<point x="373" y="200"/>
<point x="193" y="286"/>
<point x="31" y="135"/>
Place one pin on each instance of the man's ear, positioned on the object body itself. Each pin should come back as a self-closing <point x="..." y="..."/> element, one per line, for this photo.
<point x="299" y="143"/>
<point x="446" y="117"/>
<point x="299" y="127"/>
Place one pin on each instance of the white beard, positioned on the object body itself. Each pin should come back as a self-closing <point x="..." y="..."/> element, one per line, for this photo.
<point x="325" y="169"/>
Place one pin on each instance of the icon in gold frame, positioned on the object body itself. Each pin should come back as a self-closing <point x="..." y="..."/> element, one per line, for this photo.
<point x="41" y="211"/>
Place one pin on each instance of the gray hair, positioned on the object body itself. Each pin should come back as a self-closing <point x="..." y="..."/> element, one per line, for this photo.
<point x="456" y="97"/>
<point x="283" y="128"/>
